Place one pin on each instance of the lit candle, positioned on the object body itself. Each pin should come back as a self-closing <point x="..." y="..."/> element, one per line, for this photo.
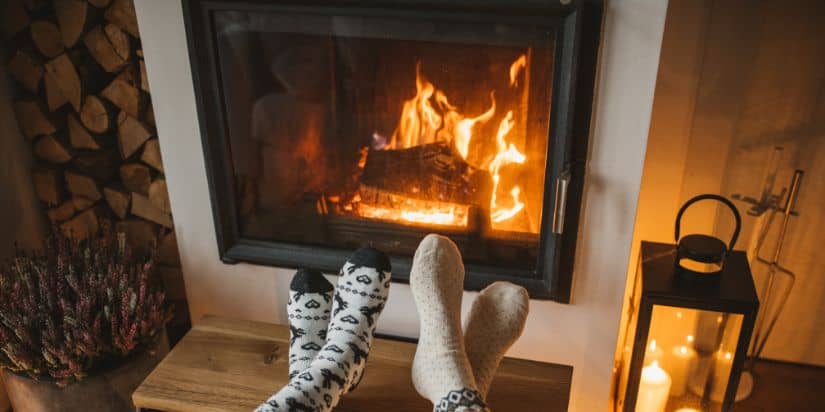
<point x="680" y="367"/>
<point x="654" y="389"/>
<point x="721" y="375"/>
<point x="654" y="353"/>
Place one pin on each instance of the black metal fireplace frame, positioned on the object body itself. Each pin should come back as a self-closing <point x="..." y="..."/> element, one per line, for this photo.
<point x="577" y="25"/>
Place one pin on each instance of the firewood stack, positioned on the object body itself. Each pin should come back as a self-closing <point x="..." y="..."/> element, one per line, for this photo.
<point x="83" y="102"/>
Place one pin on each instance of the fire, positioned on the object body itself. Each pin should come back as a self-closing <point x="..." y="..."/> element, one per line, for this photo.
<point x="420" y="212"/>
<point x="429" y="117"/>
<point x="517" y="66"/>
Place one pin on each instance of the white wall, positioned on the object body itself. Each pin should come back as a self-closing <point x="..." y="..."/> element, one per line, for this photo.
<point x="582" y="334"/>
<point x="723" y="100"/>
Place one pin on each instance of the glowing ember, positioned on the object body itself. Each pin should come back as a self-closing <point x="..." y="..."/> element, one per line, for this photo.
<point x="428" y="117"/>
<point x="419" y="212"/>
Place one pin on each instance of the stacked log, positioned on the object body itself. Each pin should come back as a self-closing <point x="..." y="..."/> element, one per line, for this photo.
<point x="82" y="100"/>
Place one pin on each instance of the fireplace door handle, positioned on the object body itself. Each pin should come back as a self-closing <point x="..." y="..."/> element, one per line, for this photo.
<point x="562" y="182"/>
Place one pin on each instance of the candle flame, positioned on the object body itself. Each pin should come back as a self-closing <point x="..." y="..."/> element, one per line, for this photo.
<point x="653" y="345"/>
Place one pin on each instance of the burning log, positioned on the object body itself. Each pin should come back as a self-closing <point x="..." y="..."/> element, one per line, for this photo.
<point x="430" y="172"/>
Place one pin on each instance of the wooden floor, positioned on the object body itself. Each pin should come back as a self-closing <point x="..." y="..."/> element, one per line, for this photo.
<point x="785" y="387"/>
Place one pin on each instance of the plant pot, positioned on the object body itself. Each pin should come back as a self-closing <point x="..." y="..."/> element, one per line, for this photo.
<point x="109" y="391"/>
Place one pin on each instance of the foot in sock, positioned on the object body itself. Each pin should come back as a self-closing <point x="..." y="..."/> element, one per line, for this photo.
<point x="309" y="308"/>
<point x="441" y="371"/>
<point x="363" y="288"/>
<point x="495" y="322"/>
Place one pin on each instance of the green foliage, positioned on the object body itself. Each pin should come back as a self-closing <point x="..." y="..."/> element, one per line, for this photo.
<point x="77" y="307"/>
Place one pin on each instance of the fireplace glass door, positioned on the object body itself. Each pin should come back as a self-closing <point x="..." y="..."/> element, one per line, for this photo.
<point x="346" y="127"/>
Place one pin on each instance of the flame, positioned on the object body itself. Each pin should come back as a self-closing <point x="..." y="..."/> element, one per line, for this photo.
<point x="507" y="154"/>
<point x="517" y="66"/>
<point x="429" y="117"/>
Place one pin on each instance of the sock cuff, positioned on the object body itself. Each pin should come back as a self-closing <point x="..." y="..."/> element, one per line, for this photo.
<point x="371" y="257"/>
<point x="310" y="281"/>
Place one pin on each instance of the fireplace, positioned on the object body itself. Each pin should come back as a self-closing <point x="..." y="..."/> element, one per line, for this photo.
<point x="327" y="127"/>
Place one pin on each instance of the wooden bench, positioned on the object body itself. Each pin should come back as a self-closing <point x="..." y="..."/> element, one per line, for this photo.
<point x="234" y="365"/>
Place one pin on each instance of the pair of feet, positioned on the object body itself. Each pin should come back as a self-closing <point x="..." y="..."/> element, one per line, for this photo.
<point x="452" y="369"/>
<point x="331" y="332"/>
<point x="332" y="328"/>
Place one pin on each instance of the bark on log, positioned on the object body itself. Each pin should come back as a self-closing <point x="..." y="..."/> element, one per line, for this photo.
<point x="28" y="73"/>
<point x="82" y="186"/>
<point x="79" y="136"/>
<point x="47" y="38"/>
<point x="47" y="185"/>
<point x="131" y="134"/>
<point x="122" y="13"/>
<point x="66" y="78"/>
<point x="149" y="116"/>
<point x="61" y="213"/>
<point x="159" y="196"/>
<point x="151" y="155"/>
<point x="15" y="18"/>
<point x="136" y="177"/>
<point x="109" y="46"/>
<point x="96" y="115"/>
<point x="430" y="172"/>
<point x="52" y="150"/>
<point x="71" y="16"/>
<point x="144" y="208"/>
<point x="31" y="119"/>
<point x="101" y="165"/>
<point x="118" y="201"/>
<point x="123" y="95"/>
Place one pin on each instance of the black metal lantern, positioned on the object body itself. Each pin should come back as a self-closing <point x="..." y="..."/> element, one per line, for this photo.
<point x="687" y="339"/>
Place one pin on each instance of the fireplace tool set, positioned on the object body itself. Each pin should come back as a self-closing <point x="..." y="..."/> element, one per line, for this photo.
<point x="781" y="204"/>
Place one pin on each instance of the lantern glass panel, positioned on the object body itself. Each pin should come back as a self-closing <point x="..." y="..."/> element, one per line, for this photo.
<point x="688" y="359"/>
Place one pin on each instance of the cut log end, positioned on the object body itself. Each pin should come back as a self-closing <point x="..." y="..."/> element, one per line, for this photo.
<point x="109" y="46"/>
<point x="122" y="13"/>
<point x="47" y="38"/>
<point x="95" y="115"/>
<point x="79" y="136"/>
<point x="31" y="119"/>
<point x="71" y="16"/>
<point x="65" y="76"/>
<point x="23" y="69"/>
<point x="131" y="134"/>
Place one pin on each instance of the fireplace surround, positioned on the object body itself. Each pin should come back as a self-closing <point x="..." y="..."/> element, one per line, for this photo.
<point x="330" y="125"/>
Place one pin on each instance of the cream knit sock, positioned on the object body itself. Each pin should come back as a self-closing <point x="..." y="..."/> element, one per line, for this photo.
<point x="495" y="322"/>
<point x="441" y="371"/>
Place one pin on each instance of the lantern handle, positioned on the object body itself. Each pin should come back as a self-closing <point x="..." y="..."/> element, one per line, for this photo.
<point x="721" y="199"/>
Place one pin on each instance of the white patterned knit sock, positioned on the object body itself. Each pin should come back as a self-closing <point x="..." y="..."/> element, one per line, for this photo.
<point x="308" y="309"/>
<point x="495" y="322"/>
<point x="363" y="288"/>
<point x="441" y="371"/>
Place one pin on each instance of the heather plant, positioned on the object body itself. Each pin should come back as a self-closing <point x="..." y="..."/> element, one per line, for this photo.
<point x="78" y="307"/>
